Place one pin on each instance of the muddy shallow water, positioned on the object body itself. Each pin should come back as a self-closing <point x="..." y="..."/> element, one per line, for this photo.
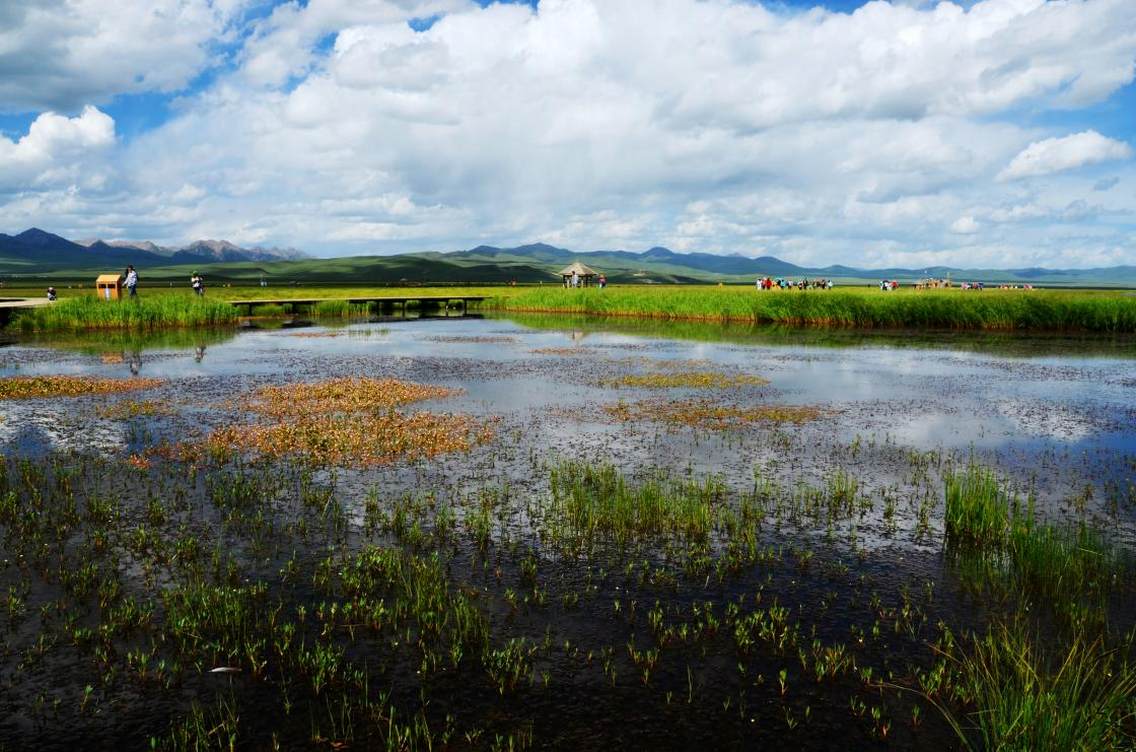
<point x="1054" y="418"/>
<point x="1024" y="411"/>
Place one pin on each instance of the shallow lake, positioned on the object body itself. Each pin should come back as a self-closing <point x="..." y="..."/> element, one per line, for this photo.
<point x="1018" y="399"/>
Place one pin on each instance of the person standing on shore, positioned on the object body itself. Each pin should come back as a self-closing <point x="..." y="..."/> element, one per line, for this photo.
<point x="132" y="281"/>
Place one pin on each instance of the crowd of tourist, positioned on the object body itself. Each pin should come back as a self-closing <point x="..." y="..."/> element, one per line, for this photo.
<point x="768" y="283"/>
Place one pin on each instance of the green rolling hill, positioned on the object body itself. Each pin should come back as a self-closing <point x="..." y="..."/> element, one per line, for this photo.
<point x="36" y="257"/>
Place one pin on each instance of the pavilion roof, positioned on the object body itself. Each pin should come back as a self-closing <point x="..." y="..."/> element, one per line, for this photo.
<point x="581" y="269"/>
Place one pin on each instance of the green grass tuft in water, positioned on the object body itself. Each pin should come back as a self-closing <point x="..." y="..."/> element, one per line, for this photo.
<point x="142" y="313"/>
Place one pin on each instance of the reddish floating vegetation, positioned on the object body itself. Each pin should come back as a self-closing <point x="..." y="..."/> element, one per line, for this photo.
<point x="364" y="440"/>
<point x="708" y="415"/>
<point x="32" y="387"/>
<point x="349" y="421"/>
<point x="343" y="395"/>
<point x="138" y="461"/>
<point x="124" y="409"/>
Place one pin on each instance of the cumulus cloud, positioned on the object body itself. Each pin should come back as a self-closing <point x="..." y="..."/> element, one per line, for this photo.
<point x="964" y="226"/>
<point x="63" y="54"/>
<point x="56" y="151"/>
<point x="717" y="125"/>
<point x="1066" y="153"/>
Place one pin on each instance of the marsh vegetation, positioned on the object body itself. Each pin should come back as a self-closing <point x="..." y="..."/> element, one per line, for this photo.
<point x="432" y="538"/>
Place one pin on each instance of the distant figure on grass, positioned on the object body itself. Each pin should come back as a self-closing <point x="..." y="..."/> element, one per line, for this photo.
<point x="51" y="294"/>
<point x="132" y="281"/>
<point x="198" y="284"/>
<point x="603" y="281"/>
<point x="575" y="279"/>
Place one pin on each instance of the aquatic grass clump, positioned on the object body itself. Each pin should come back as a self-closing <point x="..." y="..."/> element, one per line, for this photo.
<point x="142" y="313"/>
<point x="977" y="508"/>
<point x="397" y="586"/>
<point x="1062" y="563"/>
<point x="598" y="501"/>
<point x="342" y="395"/>
<point x="684" y="380"/>
<point x="362" y="440"/>
<point x="340" y="309"/>
<point x="1025" y="697"/>
<point x="34" y="387"/>
<point x="707" y="415"/>
<point x="1000" y="544"/>
<point x="268" y="310"/>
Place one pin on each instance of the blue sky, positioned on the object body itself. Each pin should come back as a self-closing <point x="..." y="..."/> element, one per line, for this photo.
<point x="997" y="132"/>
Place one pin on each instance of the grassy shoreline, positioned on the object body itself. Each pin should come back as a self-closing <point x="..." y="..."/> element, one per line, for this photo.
<point x="144" y="313"/>
<point x="1098" y="312"/>
<point x="991" y="310"/>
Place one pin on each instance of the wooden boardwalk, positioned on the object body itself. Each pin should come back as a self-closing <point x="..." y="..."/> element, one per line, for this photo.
<point x="10" y="305"/>
<point x="379" y="302"/>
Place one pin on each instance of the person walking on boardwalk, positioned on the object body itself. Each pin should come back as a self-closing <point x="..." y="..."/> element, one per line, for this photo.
<point x="132" y="281"/>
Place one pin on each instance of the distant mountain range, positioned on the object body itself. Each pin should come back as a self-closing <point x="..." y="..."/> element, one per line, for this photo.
<point x="35" y="253"/>
<point x="660" y="264"/>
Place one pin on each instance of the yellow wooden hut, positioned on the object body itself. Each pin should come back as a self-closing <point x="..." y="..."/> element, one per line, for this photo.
<point x="109" y="286"/>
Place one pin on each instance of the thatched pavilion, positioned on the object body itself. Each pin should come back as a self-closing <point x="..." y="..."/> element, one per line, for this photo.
<point x="581" y="272"/>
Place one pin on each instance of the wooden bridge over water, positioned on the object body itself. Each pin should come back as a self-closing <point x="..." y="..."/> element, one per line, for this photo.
<point x="376" y="304"/>
<point x="380" y="304"/>
<point x="8" y="306"/>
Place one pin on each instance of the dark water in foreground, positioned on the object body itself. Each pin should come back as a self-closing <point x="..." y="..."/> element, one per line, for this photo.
<point x="1054" y="417"/>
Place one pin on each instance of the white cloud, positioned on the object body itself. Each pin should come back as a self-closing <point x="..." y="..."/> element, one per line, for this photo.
<point x="56" y="151"/>
<point x="60" y="55"/>
<point x="964" y="226"/>
<point x="716" y="125"/>
<point x="1067" y="153"/>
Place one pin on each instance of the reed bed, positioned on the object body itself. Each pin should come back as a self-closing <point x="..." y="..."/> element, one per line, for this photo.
<point x="37" y="387"/>
<point x="1002" y="310"/>
<point x="142" y="313"/>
